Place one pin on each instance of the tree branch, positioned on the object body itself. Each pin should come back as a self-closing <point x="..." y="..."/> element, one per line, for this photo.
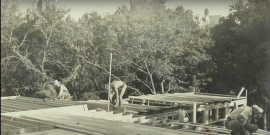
<point x="135" y="90"/>
<point x="98" y="66"/>
<point x="151" y="78"/>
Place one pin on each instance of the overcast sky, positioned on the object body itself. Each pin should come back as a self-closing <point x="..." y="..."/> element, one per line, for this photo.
<point x="79" y="7"/>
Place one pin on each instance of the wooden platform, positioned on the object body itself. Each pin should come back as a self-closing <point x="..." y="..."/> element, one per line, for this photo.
<point x="92" y="125"/>
<point x="10" y="125"/>
<point x="78" y="118"/>
<point x="169" y="99"/>
<point x="53" y="132"/>
<point x="16" y="104"/>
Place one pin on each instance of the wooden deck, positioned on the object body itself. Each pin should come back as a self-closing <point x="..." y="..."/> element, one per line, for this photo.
<point x="67" y="117"/>
<point x="10" y="125"/>
<point x="16" y="104"/>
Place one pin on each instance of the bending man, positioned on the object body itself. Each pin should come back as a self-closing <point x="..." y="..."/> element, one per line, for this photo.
<point x="61" y="90"/>
<point x="239" y="120"/>
<point x="114" y="89"/>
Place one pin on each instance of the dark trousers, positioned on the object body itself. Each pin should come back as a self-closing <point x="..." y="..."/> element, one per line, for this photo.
<point x="237" y="128"/>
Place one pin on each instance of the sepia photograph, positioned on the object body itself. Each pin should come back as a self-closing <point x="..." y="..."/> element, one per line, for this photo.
<point x="135" y="67"/>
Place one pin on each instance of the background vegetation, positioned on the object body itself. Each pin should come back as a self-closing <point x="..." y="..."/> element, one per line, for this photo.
<point x="155" y="50"/>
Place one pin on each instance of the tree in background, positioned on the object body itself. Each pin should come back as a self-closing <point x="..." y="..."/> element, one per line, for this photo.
<point x="157" y="49"/>
<point x="242" y="52"/>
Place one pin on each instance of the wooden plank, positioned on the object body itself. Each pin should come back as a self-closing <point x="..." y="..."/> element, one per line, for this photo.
<point x="53" y="132"/>
<point x="50" y="102"/>
<point x="61" y="102"/>
<point x="8" y="109"/>
<point x="77" y="108"/>
<point x="190" y="97"/>
<point x="8" y="127"/>
<point x="41" y="102"/>
<point x="9" y="97"/>
<point x="24" y="104"/>
<point x="17" y="108"/>
<point x="28" y="121"/>
<point x="28" y="130"/>
<point x="164" y="99"/>
<point x="16" y="123"/>
<point x="110" y="127"/>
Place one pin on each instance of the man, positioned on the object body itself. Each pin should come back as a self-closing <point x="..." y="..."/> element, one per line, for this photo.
<point x="239" y="120"/>
<point x="114" y="89"/>
<point x="61" y="90"/>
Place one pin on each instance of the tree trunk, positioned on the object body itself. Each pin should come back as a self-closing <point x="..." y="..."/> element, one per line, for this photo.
<point x="152" y="82"/>
<point x="162" y="86"/>
<point x="75" y="96"/>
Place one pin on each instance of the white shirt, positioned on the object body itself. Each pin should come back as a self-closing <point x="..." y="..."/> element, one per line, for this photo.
<point x="245" y="111"/>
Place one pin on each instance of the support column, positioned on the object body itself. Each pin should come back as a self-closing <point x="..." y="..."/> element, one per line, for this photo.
<point x="180" y="116"/>
<point x="206" y="116"/>
<point x="227" y="109"/>
<point x="194" y="113"/>
<point x="215" y="113"/>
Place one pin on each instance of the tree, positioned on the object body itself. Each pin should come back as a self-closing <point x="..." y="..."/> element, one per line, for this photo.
<point x="241" y="51"/>
<point x="157" y="49"/>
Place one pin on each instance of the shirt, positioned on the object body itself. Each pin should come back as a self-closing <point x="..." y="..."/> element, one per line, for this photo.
<point x="245" y="111"/>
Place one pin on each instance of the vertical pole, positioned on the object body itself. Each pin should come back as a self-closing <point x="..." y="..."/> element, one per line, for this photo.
<point x="194" y="112"/>
<point x="109" y="82"/>
<point x="246" y="97"/>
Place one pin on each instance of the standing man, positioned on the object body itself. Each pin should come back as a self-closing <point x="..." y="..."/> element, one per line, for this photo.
<point x="239" y="120"/>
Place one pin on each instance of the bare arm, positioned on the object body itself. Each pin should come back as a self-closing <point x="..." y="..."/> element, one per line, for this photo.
<point x="62" y="90"/>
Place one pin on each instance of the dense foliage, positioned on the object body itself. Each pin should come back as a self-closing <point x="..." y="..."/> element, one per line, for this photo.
<point x="155" y="50"/>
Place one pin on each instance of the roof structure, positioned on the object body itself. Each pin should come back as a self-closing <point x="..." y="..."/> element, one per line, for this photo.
<point x="80" y="118"/>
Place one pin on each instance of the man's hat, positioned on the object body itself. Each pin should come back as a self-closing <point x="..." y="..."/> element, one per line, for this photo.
<point x="55" y="82"/>
<point x="258" y="108"/>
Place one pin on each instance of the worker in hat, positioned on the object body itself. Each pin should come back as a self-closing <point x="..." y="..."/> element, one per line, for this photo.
<point x="61" y="90"/>
<point x="239" y="120"/>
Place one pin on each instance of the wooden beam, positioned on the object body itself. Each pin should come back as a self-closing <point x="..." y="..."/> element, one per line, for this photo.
<point x="240" y="93"/>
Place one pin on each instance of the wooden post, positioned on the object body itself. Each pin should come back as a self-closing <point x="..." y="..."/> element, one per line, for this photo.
<point x="194" y="112"/>
<point x="109" y="82"/>
<point x="235" y="105"/>
<point x="246" y="97"/>
<point x="206" y="115"/>
<point x="215" y="113"/>
<point x="227" y="110"/>
<point x="180" y="116"/>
